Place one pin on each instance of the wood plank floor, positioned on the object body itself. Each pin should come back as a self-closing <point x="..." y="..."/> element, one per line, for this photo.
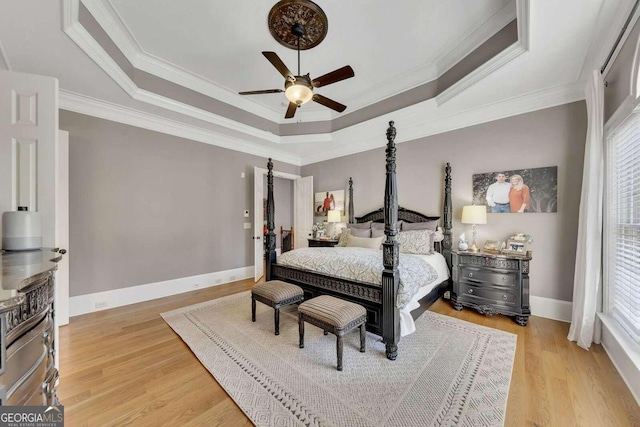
<point x="125" y="366"/>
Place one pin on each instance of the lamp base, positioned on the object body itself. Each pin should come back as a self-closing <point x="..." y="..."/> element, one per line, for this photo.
<point x="474" y="248"/>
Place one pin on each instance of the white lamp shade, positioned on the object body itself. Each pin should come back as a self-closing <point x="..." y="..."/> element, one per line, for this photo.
<point x="298" y="93"/>
<point x="474" y="215"/>
<point x="334" y="216"/>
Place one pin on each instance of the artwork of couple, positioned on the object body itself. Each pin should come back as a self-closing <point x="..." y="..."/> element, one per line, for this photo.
<point x="517" y="191"/>
<point x="328" y="201"/>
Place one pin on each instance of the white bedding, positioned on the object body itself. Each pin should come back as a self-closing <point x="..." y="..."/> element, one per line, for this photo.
<point x="419" y="274"/>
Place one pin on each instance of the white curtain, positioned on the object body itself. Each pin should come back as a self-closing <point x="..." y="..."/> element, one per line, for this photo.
<point x="587" y="283"/>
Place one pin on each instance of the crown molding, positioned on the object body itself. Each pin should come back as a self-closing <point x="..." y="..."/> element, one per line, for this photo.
<point x="82" y="104"/>
<point x="504" y="57"/>
<point x="107" y="16"/>
<point x="415" y="125"/>
<point x="524" y="22"/>
<point x="474" y="38"/>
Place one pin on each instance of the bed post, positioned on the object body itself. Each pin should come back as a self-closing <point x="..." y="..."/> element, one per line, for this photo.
<point x="390" y="276"/>
<point x="352" y="218"/>
<point x="447" y="214"/>
<point x="271" y="236"/>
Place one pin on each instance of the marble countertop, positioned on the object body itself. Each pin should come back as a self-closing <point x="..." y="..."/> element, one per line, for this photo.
<point x="21" y="269"/>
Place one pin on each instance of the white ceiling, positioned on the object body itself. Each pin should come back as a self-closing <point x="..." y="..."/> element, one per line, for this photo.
<point x="222" y="41"/>
<point x="567" y="39"/>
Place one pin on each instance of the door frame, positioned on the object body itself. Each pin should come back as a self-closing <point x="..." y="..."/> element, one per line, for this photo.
<point x="258" y="219"/>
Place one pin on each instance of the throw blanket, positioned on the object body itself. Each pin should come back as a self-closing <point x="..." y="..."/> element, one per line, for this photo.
<point x="363" y="265"/>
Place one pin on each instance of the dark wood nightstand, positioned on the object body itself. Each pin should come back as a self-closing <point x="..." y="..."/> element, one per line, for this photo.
<point x="492" y="284"/>
<point x="322" y="243"/>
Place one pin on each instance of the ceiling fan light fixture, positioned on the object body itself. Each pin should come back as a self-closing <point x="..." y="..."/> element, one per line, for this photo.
<point x="299" y="92"/>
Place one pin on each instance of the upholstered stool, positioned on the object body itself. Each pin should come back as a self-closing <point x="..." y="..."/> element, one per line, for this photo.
<point x="333" y="315"/>
<point x="276" y="294"/>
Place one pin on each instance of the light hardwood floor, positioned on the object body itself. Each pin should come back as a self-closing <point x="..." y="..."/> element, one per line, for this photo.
<point x="125" y="366"/>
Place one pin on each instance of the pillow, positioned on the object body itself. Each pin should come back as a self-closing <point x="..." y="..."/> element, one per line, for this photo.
<point x="364" y="242"/>
<point x="427" y="225"/>
<point x="438" y="236"/>
<point x="416" y="242"/>
<point x="360" y="225"/>
<point x="377" y="225"/>
<point x="342" y="240"/>
<point x="360" y="232"/>
<point x="377" y="233"/>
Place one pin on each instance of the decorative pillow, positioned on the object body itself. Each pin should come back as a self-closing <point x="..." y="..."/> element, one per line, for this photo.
<point x="364" y="242"/>
<point x="377" y="233"/>
<point x="427" y="225"/>
<point x="377" y="225"/>
<point x="344" y="236"/>
<point x="360" y="225"/>
<point x="416" y="242"/>
<point x="438" y="235"/>
<point x="358" y="232"/>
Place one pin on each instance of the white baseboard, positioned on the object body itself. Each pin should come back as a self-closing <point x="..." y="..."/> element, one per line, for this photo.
<point x="90" y="303"/>
<point x="551" y="308"/>
<point x="623" y="352"/>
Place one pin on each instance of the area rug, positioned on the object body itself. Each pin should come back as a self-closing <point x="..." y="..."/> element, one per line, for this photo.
<point x="448" y="373"/>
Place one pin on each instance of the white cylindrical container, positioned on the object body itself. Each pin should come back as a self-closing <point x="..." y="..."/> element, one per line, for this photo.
<point x="21" y="230"/>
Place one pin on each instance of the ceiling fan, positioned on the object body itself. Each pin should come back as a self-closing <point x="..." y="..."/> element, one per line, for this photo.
<point x="299" y="89"/>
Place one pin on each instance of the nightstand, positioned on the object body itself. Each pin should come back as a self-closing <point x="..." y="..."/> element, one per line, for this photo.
<point x="322" y="243"/>
<point x="492" y="284"/>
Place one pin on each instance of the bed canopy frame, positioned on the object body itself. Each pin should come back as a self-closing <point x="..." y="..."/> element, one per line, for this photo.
<point x="380" y="301"/>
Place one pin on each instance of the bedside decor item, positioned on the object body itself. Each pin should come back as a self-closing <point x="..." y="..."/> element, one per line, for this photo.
<point x="462" y="243"/>
<point x="474" y="215"/>
<point x="21" y="230"/>
<point x="517" y="245"/>
<point x="334" y="217"/>
<point x="493" y="246"/>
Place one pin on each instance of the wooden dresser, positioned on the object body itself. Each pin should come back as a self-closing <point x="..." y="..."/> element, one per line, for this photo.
<point x="492" y="284"/>
<point x="28" y="375"/>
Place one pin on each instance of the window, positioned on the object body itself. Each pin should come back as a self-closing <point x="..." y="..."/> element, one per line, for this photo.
<point x="622" y="227"/>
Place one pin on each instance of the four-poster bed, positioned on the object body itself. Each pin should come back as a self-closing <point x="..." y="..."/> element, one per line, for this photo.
<point x="383" y="317"/>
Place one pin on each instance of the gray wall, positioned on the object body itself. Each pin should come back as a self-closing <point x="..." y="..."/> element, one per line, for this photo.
<point x="549" y="137"/>
<point x="147" y="207"/>
<point x="283" y="205"/>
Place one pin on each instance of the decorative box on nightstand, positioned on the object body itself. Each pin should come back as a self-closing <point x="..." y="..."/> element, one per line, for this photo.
<point x="492" y="284"/>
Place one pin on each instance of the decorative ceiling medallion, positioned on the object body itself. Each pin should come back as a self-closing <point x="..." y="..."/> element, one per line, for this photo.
<point x="286" y="13"/>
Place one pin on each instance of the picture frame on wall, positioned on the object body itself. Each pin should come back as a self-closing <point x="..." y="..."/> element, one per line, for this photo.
<point x="326" y="201"/>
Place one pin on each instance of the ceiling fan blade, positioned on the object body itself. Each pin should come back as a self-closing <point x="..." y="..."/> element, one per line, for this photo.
<point x="329" y="103"/>
<point x="345" y="72"/>
<point x="277" y="62"/>
<point x="260" y="92"/>
<point x="291" y="110"/>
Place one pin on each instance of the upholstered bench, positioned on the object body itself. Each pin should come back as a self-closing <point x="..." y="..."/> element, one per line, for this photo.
<point x="333" y="315"/>
<point x="276" y="294"/>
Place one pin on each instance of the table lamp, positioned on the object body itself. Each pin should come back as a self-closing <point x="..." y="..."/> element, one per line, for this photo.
<point x="332" y="218"/>
<point x="474" y="215"/>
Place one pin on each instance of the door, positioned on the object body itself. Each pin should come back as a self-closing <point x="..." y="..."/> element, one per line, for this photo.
<point x="303" y="210"/>
<point x="28" y="138"/>
<point x="258" y="222"/>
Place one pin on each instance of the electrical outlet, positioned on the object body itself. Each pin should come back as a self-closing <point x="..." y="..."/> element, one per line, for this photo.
<point x="247" y="226"/>
<point x="100" y="304"/>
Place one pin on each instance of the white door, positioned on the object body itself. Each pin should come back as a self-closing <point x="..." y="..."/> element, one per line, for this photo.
<point x="62" y="228"/>
<point x="28" y="138"/>
<point x="258" y="220"/>
<point x="303" y="210"/>
<point x="28" y="144"/>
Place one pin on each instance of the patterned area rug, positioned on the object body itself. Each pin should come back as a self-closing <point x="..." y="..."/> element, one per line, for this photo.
<point x="449" y="372"/>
